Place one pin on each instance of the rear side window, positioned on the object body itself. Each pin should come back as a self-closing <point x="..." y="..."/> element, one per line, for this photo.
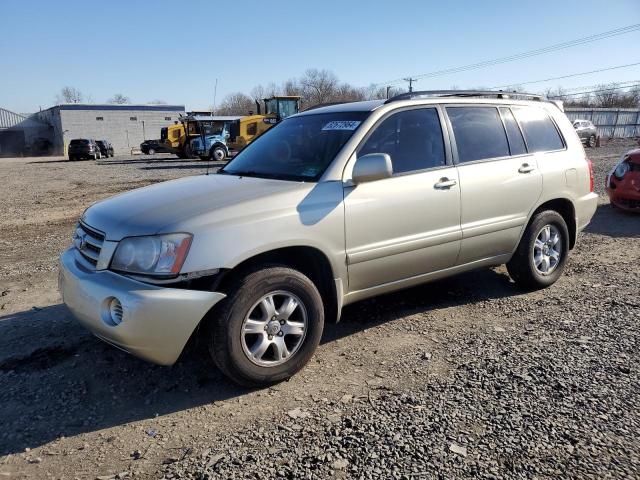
<point x="539" y="131"/>
<point x="516" y="142"/>
<point x="478" y="132"/>
<point x="412" y="138"/>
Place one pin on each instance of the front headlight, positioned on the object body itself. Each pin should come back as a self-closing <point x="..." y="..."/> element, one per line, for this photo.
<point x="152" y="255"/>
<point x="621" y="169"/>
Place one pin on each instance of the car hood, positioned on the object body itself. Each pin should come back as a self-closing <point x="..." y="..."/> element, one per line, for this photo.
<point x="168" y="206"/>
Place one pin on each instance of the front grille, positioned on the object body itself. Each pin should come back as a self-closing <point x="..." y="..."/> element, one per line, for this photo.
<point x="88" y="243"/>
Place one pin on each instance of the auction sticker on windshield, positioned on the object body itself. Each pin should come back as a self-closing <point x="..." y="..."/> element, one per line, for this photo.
<point x="342" y="125"/>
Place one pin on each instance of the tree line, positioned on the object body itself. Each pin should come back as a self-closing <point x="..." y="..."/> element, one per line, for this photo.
<point x="322" y="86"/>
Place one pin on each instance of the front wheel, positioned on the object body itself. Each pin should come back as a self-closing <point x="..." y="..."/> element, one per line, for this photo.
<point x="218" y="154"/>
<point x="151" y="151"/>
<point x="268" y="327"/>
<point x="591" y="142"/>
<point x="542" y="253"/>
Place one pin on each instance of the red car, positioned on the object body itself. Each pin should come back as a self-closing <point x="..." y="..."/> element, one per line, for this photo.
<point x="623" y="182"/>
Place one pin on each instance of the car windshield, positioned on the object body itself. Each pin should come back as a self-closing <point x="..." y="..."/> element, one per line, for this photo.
<point x="79" y="142"/>
<point x="100" y="142"/>
<point x="298" y="148"/>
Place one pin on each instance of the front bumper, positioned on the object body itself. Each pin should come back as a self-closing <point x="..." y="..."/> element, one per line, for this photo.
<point x="626" y="193"/>
<point x="156" y="321"/>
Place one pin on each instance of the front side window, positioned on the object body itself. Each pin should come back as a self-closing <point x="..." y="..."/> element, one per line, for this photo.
<point x="478" y="132"/>
<point x="540" y="132"/>
<point x="412" y="138"/>
<point x="252" y="128"/>
<point x="299" y="148"/>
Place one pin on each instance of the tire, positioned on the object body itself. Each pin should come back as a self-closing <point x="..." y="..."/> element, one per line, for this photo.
<point x="187" y="152"/>
<point x="524" y="268"/>
<point x="591" y="141"/>
<point x="217" y="153"/>
<point x="151" y="151"/>
<point x="230" y="348"/>
<point x="72" y="159"/>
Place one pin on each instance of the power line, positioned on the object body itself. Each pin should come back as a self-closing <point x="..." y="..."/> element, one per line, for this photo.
<point x="567" y="76"/>
<point x="527" y="54"/>
<point x="619" y="83"/>
<point x="597" y="91"/>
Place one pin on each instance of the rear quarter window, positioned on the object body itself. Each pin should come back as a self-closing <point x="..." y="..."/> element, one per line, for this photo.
<point x="539" y="130"/>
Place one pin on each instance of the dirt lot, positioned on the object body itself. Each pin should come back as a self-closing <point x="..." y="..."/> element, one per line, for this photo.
<point x="467" y="377"/>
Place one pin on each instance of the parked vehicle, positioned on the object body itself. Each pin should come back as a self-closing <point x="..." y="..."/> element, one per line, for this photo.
<point x="212" y="143"/>
<point x="83" y="148"/>
<point x="623" y="182"/>
<point x="151" y="147"/>
<point x="329" y="207"/>
<point x="106" y="149"/>
<point x="243" y="130"/>
<point x="587" y="132"/>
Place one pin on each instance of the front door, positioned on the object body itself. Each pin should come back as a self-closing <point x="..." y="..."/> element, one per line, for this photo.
<point x="409" y="224"/>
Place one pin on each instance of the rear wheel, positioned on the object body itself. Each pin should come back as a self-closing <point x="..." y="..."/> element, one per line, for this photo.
<point x="188" y="153"/>
<point x="268" y="327"/>
<point x="542" y="253"/>
<point x="591" y="141"/>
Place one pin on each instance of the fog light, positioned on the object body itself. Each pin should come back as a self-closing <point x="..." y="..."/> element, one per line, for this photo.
<point x="114" y="313"/>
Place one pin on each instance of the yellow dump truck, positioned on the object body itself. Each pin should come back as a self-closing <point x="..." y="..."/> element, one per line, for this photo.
<point x="188" y="138"/>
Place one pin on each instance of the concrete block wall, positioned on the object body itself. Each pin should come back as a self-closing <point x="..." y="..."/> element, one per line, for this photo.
<point x="125" y="126"/>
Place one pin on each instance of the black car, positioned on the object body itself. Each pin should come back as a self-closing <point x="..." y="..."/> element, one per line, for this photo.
<point x="106" y="149"/>
<point x="84" y="148"/>
<point x="150" y="147"/>
<point x="587" y="132"/>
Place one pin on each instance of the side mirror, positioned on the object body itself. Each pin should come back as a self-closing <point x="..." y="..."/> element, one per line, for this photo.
<point x="371" y="167"/>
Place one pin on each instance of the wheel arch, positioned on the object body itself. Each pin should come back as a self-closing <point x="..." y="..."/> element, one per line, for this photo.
<point x="566" y="209"/>
<point x="308" y="260"/>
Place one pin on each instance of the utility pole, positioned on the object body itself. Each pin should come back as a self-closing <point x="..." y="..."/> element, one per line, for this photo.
<point x="388" y="90"/>
<point x="215" y="91"/>
<point x="410" y="80"/>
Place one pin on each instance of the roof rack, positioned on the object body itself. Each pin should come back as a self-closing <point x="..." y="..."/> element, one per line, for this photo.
<point x="466" y="93"/>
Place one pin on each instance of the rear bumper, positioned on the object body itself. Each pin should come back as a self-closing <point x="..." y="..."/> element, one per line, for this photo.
<point x="585" y="209"/>
<point x="156" y="321"/>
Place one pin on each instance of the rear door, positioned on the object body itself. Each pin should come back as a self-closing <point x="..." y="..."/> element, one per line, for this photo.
<point x="499" y="179"/>
<point x="409" y="224"/>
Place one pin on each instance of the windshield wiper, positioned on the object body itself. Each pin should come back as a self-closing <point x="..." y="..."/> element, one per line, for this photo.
<point x="254" y="173"/>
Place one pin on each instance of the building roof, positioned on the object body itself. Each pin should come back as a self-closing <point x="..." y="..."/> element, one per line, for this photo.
<point x="107" y="106"/>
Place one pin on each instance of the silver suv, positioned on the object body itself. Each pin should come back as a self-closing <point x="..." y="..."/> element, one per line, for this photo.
<point x="329" y="207"/>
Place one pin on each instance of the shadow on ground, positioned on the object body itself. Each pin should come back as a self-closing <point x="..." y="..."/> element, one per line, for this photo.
<point x="615" y="223"/>
<point x="56" y="379"/>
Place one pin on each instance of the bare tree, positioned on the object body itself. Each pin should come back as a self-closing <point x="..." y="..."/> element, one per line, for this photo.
<point x="236" y="104"/>
<point x="69" y="95"/>
<point x="119" y="99"/>
<point x="318" y="86"/>
<point x="157" y="102"/>
<point x="607" y="96"/>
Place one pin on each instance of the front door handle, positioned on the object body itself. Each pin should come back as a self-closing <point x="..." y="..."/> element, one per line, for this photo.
<point x="444" y="183"/>
<point x="526" y="168"/>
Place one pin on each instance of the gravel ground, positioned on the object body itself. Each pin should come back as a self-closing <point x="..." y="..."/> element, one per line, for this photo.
<point x="462" y="378"/>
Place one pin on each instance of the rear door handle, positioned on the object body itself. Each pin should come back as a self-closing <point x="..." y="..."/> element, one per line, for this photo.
<point x="526" y="168"/>
<point x="445" y="183"/>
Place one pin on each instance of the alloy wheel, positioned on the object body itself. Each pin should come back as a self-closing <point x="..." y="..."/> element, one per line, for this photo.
<point x="547" y="250"/>
<point x="274" y="329"/>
